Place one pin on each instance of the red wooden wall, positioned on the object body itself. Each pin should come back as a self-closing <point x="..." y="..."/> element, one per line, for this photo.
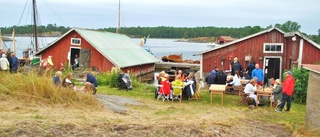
<point x="254" y="47"/>
<point x="59" y="52"/>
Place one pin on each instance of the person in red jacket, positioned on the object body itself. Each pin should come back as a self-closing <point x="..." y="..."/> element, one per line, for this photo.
<point x="287" y="90"/>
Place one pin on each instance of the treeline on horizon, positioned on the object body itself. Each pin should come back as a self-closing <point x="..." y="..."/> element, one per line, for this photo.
<point x="165" y="31"/>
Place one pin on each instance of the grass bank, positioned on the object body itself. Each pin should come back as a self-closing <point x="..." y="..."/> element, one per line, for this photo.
<point x="32" y="106"/>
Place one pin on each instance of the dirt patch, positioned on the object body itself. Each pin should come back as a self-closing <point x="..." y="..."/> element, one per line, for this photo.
<point x="116" y="103"/>
<point x="243" y="129"/>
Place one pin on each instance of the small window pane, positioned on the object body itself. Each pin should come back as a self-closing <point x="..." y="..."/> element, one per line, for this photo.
<point x="267" y="47"/>
<point x="273" y="48"/>
<point x="278" y="48"/>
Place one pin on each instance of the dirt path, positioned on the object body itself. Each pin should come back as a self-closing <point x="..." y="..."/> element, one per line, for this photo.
<point x="116" y="103"/>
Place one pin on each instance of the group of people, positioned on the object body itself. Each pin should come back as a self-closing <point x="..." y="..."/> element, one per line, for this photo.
<point x="91" y="83"/>
<point x="187" y="84"/>
<point x="8" y="61"/>
<point x="281" y="92"/>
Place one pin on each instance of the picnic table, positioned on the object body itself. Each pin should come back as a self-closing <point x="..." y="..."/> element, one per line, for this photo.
<point x="217" y="89"/>
<point x="265" y="92"/>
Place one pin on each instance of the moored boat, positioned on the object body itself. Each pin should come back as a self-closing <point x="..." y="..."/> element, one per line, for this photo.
<point x="172" y="58"/>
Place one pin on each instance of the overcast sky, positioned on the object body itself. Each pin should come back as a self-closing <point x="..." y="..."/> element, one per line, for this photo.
<point x="177" y="13"/>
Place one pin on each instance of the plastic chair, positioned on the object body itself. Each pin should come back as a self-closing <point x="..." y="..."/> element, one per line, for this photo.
<point x="177" y="93"/>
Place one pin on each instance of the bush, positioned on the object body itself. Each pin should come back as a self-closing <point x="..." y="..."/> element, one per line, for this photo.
<point x="109" y="78"/>
<point x="301" y="77"/>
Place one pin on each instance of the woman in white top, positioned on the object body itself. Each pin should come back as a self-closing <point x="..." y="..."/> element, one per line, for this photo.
<point x="235" y="79"/>
<point x="250" y="89"/>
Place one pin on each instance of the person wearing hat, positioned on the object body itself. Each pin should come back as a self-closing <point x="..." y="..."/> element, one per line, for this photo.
<point x="287" y="90"/>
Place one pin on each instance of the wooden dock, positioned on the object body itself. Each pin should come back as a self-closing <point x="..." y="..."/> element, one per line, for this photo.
<point x="172" y="65"/>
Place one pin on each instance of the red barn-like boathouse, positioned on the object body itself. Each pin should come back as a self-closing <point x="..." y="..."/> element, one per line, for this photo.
<point x="99" y="50"/>
<point x="273" y="49"/>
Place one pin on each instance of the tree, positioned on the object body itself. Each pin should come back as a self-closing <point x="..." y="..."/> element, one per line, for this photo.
<point x="289" y="26"/>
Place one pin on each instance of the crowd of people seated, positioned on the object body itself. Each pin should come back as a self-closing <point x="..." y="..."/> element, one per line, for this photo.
<point x="187" y="82"/>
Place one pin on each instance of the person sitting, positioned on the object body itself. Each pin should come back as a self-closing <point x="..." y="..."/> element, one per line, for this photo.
<point x="56" y="78"/>
<point x="190" y="86"/>
<point x="177" y="86"/>
<point x="250" y="89"/>
<point x="67" y="81"/>
<point x="211" y="78"/>
<point x="272" y="83"/>
<point x="229" y="81"/>
<point x="221" y="78"/>
<point x="91" y="83"/>
<point x="277" y="92"/>
<point x="165" y="90"/>
<point x="181" y="75"/>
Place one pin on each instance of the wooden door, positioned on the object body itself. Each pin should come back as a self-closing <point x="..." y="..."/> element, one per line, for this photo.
<point x="84" y="59"/>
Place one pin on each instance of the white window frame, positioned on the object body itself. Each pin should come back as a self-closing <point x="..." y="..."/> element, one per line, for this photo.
<point x="265" y="44"/>
<point x="75" y="43"/>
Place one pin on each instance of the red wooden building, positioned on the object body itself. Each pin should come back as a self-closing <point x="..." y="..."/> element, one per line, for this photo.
<point x="100" y="50"/>
<point x="225" y="39"/>
<point x="273" y="49"/>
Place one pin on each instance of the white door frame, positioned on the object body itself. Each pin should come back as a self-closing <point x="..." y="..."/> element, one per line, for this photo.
<point x="69" y="53"/>
<point x="280" y="66"/>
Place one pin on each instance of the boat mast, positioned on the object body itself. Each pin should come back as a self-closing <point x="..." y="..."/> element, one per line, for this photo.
<point x="35" y="29"/>
<point x="118" y="28"/>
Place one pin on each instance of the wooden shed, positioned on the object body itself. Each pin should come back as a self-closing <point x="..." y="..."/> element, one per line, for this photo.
<point x="225" y="39"/>
<point x="313" y="100"/>
<point x="99" y="50"/>
<point x="273" y="49"/>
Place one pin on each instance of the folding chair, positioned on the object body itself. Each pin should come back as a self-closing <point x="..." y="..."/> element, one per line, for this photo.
<point x="244" y="98"/>
<point x="177" y="93"/>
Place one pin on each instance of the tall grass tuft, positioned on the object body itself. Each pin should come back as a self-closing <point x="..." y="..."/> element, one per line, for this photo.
<point x="33" y="88"/>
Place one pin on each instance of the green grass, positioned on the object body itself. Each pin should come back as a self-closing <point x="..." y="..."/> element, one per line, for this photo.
<point x="292" y="120"/>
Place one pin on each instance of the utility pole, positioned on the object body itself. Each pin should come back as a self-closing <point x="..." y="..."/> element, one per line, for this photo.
<point x="35" y="33"/>
<point x="118" y="28"/>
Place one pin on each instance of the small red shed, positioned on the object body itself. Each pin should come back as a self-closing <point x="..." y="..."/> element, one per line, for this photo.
<point x="100" y="50"/>
<point x="273" y="49"/>
<point x="225" y="39"/>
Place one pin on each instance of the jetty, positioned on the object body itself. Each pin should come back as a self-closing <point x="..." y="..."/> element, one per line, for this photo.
<point x="173" y="65"/>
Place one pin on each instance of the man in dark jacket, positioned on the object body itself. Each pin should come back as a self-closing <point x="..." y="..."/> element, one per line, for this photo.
<point x="249" y="69"/>
<point x="211" y="78"/>
<point x="236" y="66"/>
<point x="91" y="83"/>
<point x="221" y="78"/>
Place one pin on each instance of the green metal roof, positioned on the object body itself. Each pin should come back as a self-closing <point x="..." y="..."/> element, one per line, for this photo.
<point x="117" y="48"/>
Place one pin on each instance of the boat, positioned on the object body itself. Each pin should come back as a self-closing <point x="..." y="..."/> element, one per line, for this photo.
<point x="172" y="58"/>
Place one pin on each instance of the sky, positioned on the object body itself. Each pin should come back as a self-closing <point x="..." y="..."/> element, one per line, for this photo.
<point x="177" y="13"/>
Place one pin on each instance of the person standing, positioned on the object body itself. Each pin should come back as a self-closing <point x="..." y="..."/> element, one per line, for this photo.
<point x="257" y="72"/>
<point x="236" y="66"/>
<point x="249" y="69"/>
<point x="14" y="65"/>
<point x="287" y="90"/>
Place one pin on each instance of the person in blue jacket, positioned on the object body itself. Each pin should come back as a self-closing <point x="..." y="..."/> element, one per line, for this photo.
<point x="91" y="83"/>
<point x="257" y="72"/>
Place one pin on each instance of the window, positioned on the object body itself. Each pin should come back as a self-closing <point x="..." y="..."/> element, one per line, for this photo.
<point x="75" y="41"/>
<point x="273" y="48"/>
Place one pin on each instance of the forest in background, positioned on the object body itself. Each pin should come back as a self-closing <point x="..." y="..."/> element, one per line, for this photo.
<point x="163" y="31"/>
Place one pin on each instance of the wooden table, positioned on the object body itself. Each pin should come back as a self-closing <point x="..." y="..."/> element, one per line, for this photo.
<point x="217" y="89"/>
<point x="265" y="92"/>
<point x="244" y="81"/>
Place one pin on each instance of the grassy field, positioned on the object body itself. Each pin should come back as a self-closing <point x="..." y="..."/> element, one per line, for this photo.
<point x="32" y="106"/>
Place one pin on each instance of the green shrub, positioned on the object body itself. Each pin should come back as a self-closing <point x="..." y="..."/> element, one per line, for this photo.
<point x="109" y="78"/>
<point x="301" y="77"/>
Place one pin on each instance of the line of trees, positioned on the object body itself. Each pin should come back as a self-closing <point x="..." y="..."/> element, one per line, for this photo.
<point x="169" y="32"/>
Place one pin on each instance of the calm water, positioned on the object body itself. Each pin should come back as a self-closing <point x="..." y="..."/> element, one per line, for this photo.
<point x="159" y="47"/>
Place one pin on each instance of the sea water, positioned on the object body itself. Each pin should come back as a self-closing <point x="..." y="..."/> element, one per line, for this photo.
<point x="159" y="47"/>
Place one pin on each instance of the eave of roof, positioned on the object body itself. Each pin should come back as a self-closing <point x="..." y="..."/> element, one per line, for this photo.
<point x="314" y="68"/>
<point x="257" y="34"/>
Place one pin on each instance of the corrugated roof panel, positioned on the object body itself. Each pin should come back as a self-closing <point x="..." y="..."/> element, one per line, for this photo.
<point x="118" y="48"/>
